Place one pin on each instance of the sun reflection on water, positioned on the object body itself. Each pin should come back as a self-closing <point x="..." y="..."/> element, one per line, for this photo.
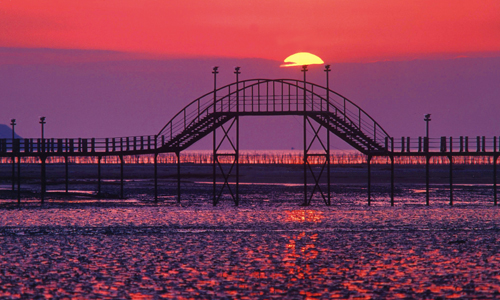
<point x="314" y="216"/>
<point x="185" y="253"/>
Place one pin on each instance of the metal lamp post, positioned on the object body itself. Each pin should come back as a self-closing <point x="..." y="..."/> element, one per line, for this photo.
<point x="42" y="122"/>
<point x="13" y="124"/>
<point x="327" y="70"/>
<point x="42" y="158"/>
<point x="304" y="70"/>
<point x="427" y="119"/>
<point x="214" y="152"/>
<point x="237" y="151"/>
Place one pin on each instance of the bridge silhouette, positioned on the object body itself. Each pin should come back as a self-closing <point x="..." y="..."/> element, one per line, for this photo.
<point x="217" y="112"/>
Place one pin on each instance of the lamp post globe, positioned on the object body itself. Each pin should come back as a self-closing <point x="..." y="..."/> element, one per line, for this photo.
<point x="42" y="122"/>
<point x="13" y="124"/>
<point x="427" y="119"/>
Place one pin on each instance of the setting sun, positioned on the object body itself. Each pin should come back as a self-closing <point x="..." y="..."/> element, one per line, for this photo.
<point x="302" y="59"/>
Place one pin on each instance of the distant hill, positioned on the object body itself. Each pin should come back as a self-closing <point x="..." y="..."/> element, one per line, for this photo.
<point x="6" y="132"/>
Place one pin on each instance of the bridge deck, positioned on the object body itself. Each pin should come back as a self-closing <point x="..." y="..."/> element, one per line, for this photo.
<point x="141" y="145"/>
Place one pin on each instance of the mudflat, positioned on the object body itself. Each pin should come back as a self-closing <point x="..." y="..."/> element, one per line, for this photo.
<point x="85" y="245"/>
<point x="257" y="181"/>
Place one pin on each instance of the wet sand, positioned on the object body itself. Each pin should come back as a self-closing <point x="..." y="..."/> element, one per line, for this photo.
<point x="260" y="252"/>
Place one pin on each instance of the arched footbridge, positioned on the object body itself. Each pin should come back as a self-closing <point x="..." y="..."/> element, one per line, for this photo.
<point x="217" y="113"/>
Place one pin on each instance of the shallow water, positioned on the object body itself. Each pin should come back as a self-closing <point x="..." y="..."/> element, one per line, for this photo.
<point x="261" y="249"/>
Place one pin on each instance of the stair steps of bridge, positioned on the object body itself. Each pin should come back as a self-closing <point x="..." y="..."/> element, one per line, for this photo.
<point x="188" y="132"/>
<point x="195" y="131"/>
<point x="357" y="138"/>
<point x="205" y="131"/>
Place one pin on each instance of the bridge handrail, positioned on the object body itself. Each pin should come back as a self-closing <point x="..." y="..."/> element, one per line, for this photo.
<point x="50" y="146"/>
<point x="449" y="145"/>
<point x="352" y="103"/>
<point x="463" y="144"/>
<point x="349" y="115"/>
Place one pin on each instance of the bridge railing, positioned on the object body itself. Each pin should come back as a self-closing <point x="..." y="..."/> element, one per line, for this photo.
<point x="78" y="145"/>
<point x="462" y="144"/>
<point x="354" y="116"/>
<point x="287" y="95"/>
<point x="280" y="96"/>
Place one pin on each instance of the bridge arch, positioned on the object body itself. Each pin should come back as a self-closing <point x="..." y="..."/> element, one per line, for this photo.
<point x="273" y="97"/>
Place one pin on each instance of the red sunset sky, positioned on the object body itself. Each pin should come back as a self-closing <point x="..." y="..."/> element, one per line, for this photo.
<point x="56" y="55"/>
<point x="337" y="31"/>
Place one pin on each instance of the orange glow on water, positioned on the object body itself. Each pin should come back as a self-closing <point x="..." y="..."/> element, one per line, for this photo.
<point x="411" y="257"/>
<point x="304" y="216"/>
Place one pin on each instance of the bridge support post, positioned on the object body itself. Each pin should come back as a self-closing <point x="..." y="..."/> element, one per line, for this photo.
<point x="98" y="176"/>
<point x="121" y="176"/>
<point x="156" y="176"/>
<point x="328" y="158"/>
<point x="230" y="139"/>
<point x="13" y="168"/>
<point x="427" y="161"/>
<point x="66" y="173"/>
<point x="178" y="154"/>
<point x="19" y="180"/>
<point x="43" y="179"/>
<point x="214" y="173"/>
<point x="450" y="157"/>
<point x="495" y="195"/>
<point x="237" y="160"/>
<point x="225" y="167"/>
<point x="317" y="141"/>
<point x="392" y="180"/>
<point x="305" y="159"/>
<point x="323" y="159"/>
<point x="369" y="188"/>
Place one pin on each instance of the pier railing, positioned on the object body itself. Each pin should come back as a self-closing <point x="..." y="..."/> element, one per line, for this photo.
<point x="130" y="144"/>
<point x="78" y="145"/>
<point x="462" y="144"/>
